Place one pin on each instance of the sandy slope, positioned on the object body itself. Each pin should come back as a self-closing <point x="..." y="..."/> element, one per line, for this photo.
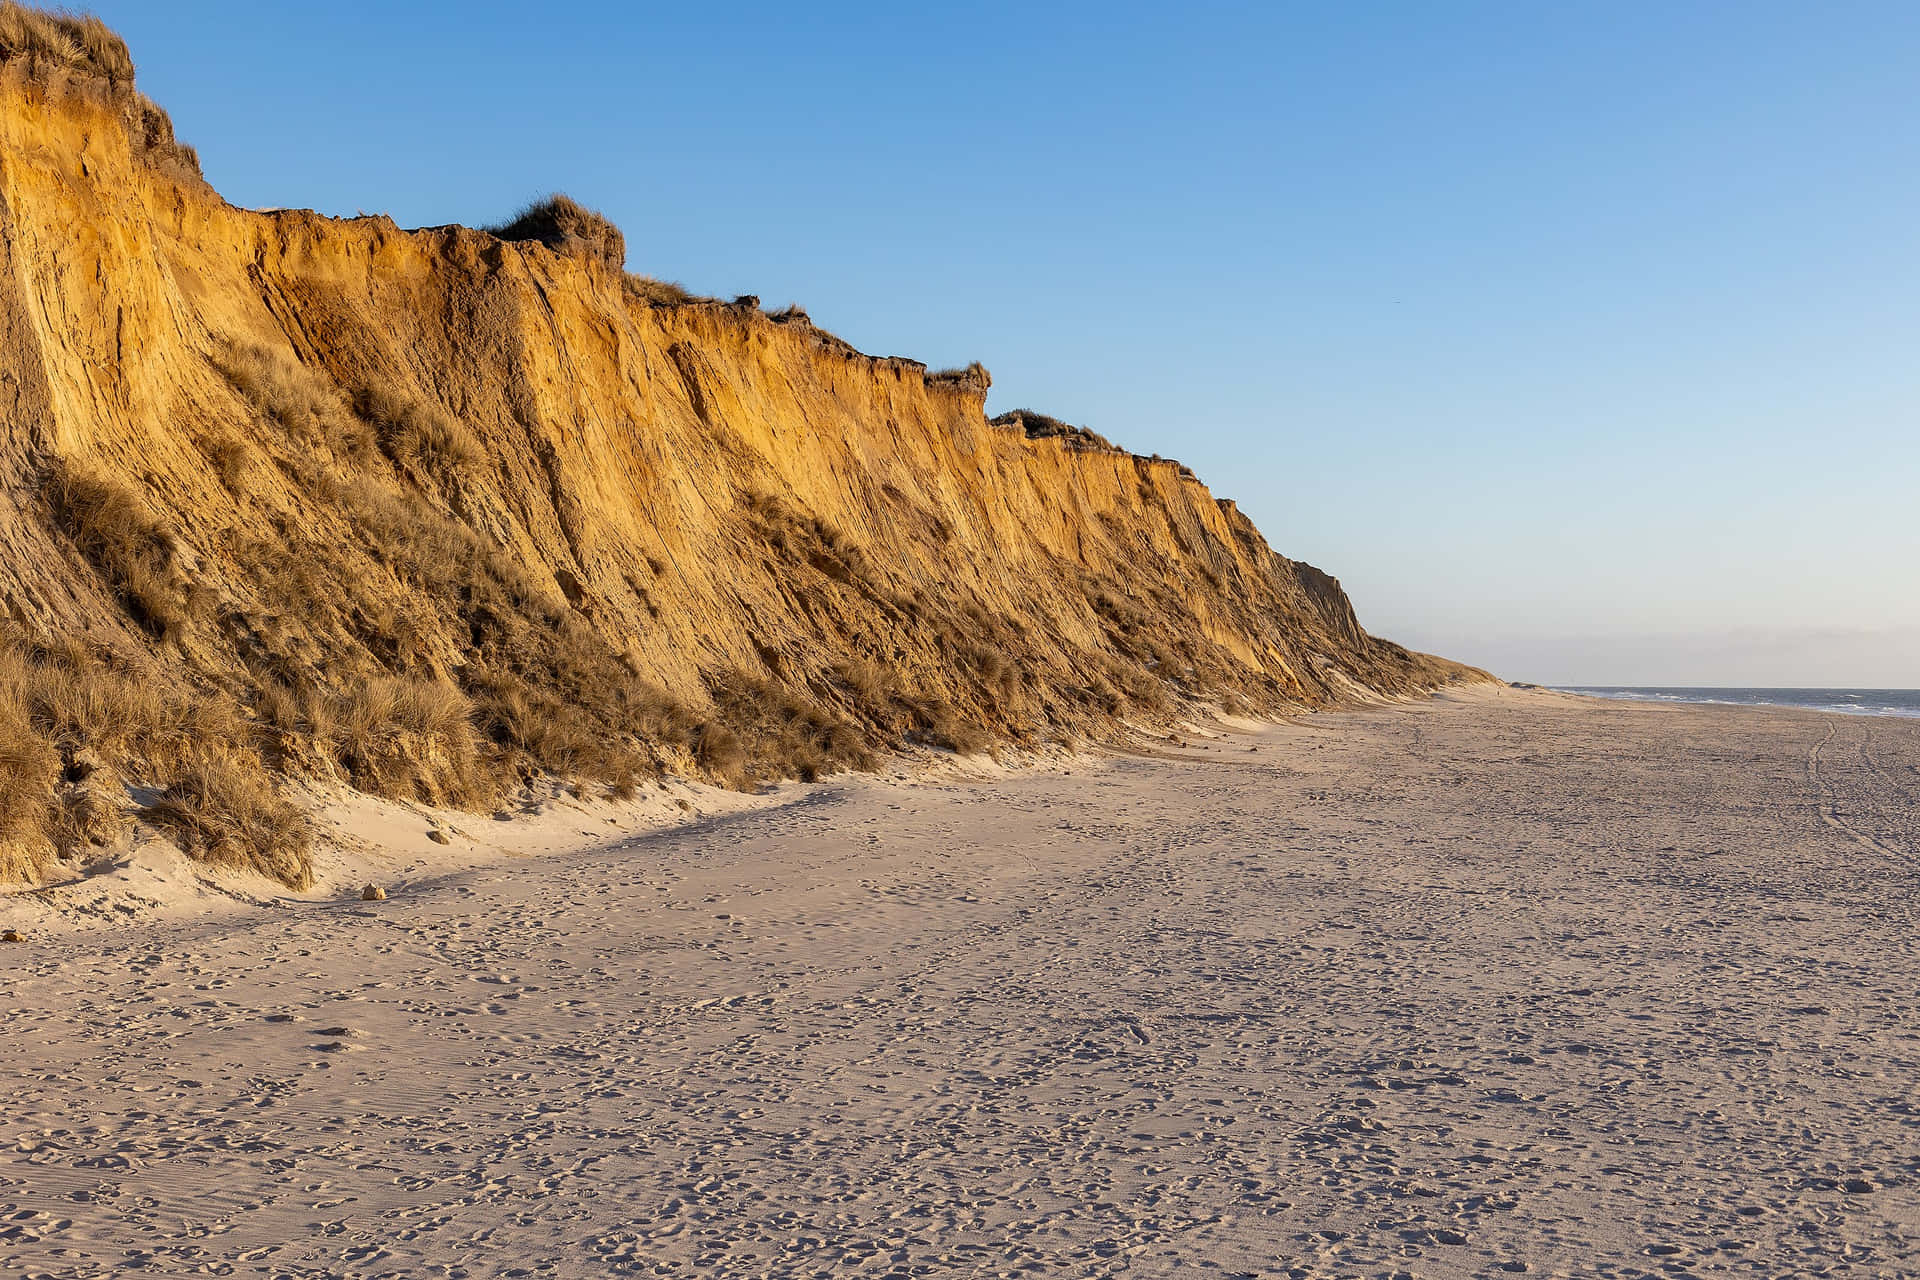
<point x="1516" y="982"/>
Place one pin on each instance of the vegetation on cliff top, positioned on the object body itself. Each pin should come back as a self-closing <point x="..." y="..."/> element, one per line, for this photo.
<point x="1039" y="426"/>
<point x="68" y="53"/>
<point x="567" y="226"/>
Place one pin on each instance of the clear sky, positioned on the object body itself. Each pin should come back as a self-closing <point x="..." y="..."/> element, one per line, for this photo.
<point x="1577" y="339"/>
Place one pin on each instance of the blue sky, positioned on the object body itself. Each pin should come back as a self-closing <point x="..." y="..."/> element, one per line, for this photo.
<point x="1577" y="339"/>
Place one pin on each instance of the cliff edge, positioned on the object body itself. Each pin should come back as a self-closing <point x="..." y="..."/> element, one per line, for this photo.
<point x="433" y="512"/>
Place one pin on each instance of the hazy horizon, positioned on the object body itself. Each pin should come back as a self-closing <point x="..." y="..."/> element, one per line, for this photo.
<point x="1575" y="340"/>
<point x="1733" y="660"/>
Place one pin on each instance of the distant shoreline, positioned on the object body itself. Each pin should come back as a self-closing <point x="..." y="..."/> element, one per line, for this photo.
<point x="1901" y="703"/>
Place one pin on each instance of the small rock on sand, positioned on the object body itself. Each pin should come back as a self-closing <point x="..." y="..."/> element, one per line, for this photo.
<point x="373" y="893"/>
<point x="11" y="935"/>
<point x="439" y="837"/>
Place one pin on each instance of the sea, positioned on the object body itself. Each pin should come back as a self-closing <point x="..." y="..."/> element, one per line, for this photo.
<point x="1852" y="702"/>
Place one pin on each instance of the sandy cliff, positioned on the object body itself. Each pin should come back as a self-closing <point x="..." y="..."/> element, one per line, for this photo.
<point x="428" y="510"/>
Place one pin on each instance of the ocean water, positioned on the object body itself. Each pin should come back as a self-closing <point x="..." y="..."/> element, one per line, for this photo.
<point x="1853" y="702"/>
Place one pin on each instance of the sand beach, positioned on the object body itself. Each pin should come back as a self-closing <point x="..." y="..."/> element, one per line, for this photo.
<point x="1500" y="982"/>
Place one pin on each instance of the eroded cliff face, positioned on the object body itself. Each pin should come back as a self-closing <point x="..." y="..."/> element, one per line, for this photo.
<point x="279" y="460"/>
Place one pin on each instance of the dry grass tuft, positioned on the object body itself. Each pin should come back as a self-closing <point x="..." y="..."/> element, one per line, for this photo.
<point x="83" y="701"/>
<point x="1039" y="426"/>
<point x="81" y="44"/>
<point x="91" y="809"/>
<point x="113" y="528"/>
<point x="225" y="812"/>
<point x="972" y="378"/>
<point x="410" y="739"/>
<point x="960" y="736"/>
<point x="600" y="738"/>
<point x="566" y="226"/>
<point x="29" y="771"/>
<point x="415" y="432"/>
<point x="286" y="394"/>
<point x="870" y="683"/>
<point x="719" y="752"/>
<point x="229" y="455"/>
<point x="659" y="293"/>
<point x="77" y="724"/>
<point x="767" y="732"/>
<point x="808" y="539"/>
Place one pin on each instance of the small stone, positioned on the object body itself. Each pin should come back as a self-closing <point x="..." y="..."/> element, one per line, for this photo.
<point x="1856" y="1186"/>
<point x="11" y="935"/>
<point x="373" y="893"/>
<point x="438" y="836"/>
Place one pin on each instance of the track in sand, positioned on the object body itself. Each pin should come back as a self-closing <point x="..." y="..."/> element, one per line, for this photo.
<point x="1515" y="983"/>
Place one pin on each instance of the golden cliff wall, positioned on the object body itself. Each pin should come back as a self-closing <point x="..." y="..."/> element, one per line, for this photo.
<point x="732" y="506"/>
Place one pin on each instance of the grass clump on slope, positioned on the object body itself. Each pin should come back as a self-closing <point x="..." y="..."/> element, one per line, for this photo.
<point x="78" y="724"/>
<point x="118" y="534"/>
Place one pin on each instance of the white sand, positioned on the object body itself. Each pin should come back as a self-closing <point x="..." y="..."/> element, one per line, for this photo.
<point x="1490" y="984"/>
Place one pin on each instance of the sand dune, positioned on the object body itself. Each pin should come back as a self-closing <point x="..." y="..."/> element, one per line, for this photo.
<point x="1502" y="983"/>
